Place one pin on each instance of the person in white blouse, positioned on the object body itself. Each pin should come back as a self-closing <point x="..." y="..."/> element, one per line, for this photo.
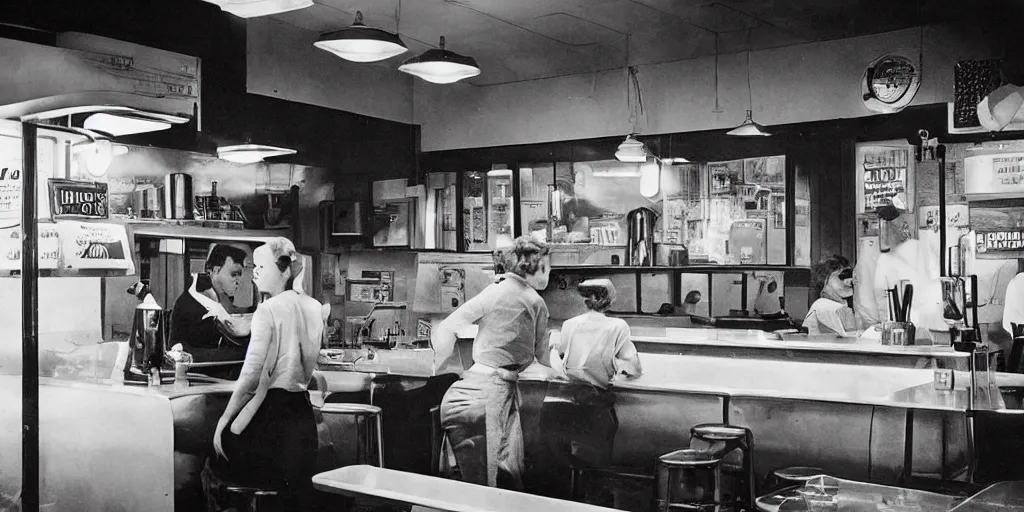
<point x="267" y="433"/>
<point x="832" y="284"/>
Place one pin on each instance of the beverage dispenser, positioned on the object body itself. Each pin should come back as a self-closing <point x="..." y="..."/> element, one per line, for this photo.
<point x="147" y="345"/>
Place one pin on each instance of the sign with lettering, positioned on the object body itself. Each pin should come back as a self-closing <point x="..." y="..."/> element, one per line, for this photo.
<point x="11" y="174"/>
<point x="994" y="174"/>
<point x="1003" y="241"/>
<point x="78" y="199"/>
<point x="884" y="176"/>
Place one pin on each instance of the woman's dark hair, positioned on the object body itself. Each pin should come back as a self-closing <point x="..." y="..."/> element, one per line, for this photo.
<point x="822" y="270"/>
<point x="527" y="253"/>
<point x="598" y="294"/>
<point x="220" y="253"/>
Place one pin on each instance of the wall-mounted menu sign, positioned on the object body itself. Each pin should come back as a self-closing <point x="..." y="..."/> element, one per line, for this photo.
<point x="1000" y="243"/>
<point x="994" y="174"/>
<point x="884" y="171"/>
<point x="78" y="199"/>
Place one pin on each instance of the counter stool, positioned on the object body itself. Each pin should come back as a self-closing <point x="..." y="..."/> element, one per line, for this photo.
<point x="735" y="446"/>
<point x="362" y="414"/>
<point x="786" y="477"/>
<point x="224" y="495"/>
<point x="687" y="479"/>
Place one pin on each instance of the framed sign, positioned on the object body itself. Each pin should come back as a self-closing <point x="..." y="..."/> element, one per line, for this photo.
<point x="885" y="174"/>
<point x="1006" y="243"/>
<point x="78" y="199"/>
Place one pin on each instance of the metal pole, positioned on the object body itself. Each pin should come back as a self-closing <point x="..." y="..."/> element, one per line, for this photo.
<point x="941" y="153"/>
<point x="29" y="325"/>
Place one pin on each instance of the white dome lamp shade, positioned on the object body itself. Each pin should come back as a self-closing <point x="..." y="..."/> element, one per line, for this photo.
<point x="96" y="153"/>
<point x="360" y="43"/>
<point x="631" y="151"/>
<point x="257" y="8"/>
<point x="749" y="128"/>
<point x="250" y="153"/>
<point x="440" y="66"/>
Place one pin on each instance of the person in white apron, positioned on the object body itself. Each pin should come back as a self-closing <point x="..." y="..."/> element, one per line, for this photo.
<point x="480" y="412"/>
<point x="578" y="416"/>
<point x="832" y="285"/>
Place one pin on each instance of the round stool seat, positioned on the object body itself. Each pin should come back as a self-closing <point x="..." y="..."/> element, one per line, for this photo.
<point x="689" y="458"/>
<point x="798" y="474"/>
<point x="719" y="432"/>
<point x="351" y="409"/>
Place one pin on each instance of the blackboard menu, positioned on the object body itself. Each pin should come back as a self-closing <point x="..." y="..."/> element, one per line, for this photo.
<point x="71" y="199"/>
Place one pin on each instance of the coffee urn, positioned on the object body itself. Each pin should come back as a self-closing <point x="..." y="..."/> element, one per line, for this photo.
<point x="640" y="232"/>
<point x="147" y="345"/>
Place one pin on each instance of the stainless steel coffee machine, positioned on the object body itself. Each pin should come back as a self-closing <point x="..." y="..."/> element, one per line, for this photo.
<point x="147" y="345"/>
<point x="640" y="232"/>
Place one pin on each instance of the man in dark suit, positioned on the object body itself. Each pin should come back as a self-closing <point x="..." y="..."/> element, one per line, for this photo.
<point x="201" y="319"/>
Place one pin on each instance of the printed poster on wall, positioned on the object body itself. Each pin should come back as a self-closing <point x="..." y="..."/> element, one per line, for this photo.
<point x="10" y="177"/>
<point x="884" y="173"/>
<point x="994" y="174"/>
<point x="769" y="172"/>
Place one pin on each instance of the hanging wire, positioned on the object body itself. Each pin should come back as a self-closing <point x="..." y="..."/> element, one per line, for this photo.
<point x="750" y="92"/>
<point x="398" y="17"/>
<point x="718" y="106"/>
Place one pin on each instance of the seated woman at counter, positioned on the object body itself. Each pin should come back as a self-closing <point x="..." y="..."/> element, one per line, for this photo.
<point x="578" y="418"/>
<point x="832" y="283"/>
<point x="480" y="412"/>
<point x="272" y="437"/>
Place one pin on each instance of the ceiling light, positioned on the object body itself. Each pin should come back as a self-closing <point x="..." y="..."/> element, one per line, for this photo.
<point x="250" y="153"/>
<point x="749" y="128"/>
<point x="650" y="179"/>
<point x="359" y="43"/>
<point x="440" y="66"/>
<point x="631" y="150"/>
<point x="118" y="124"/>
<point x="256" y="8"/>
<point x="97" y="152"/>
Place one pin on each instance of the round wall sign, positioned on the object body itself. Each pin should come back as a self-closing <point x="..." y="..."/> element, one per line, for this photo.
<point x="890" y="84"/>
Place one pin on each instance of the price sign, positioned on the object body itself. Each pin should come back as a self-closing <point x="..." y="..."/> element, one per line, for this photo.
<point x="883" y="172"/>
<point x="1000" y="243"/>
<point x="78" y="199"/>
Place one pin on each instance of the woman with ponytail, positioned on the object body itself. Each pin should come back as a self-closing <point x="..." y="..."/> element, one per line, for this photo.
<point x="267" y="432"/>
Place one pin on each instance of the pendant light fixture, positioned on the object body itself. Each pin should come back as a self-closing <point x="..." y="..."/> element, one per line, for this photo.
<point x="631" y="151"/>
<point x="250" y="153"/>
<point x="441" y="66"/>
<point x="749" y="128"/>
<point x="650" y="179"/>
<point x="257" y="8"/>
<point x="360" y="43"/>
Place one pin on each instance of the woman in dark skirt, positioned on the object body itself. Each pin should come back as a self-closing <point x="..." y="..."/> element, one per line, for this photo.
<point x="578" y="416"/>
<point x="267" y="432"/>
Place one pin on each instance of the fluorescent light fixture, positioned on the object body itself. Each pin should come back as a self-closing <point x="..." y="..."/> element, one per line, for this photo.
<point x="749" y="128"/>
<point x="360" y="43"/>
<point x="250" y="153"/>
<point x="650" y="179"/>
<point x="256" y="8"/>
<point x="675" y="161"/>
<point x="118" y="124"/>
<point x="499" y="172"/>
<point x="440" y="66"/>
<point x="631" y="150"/>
